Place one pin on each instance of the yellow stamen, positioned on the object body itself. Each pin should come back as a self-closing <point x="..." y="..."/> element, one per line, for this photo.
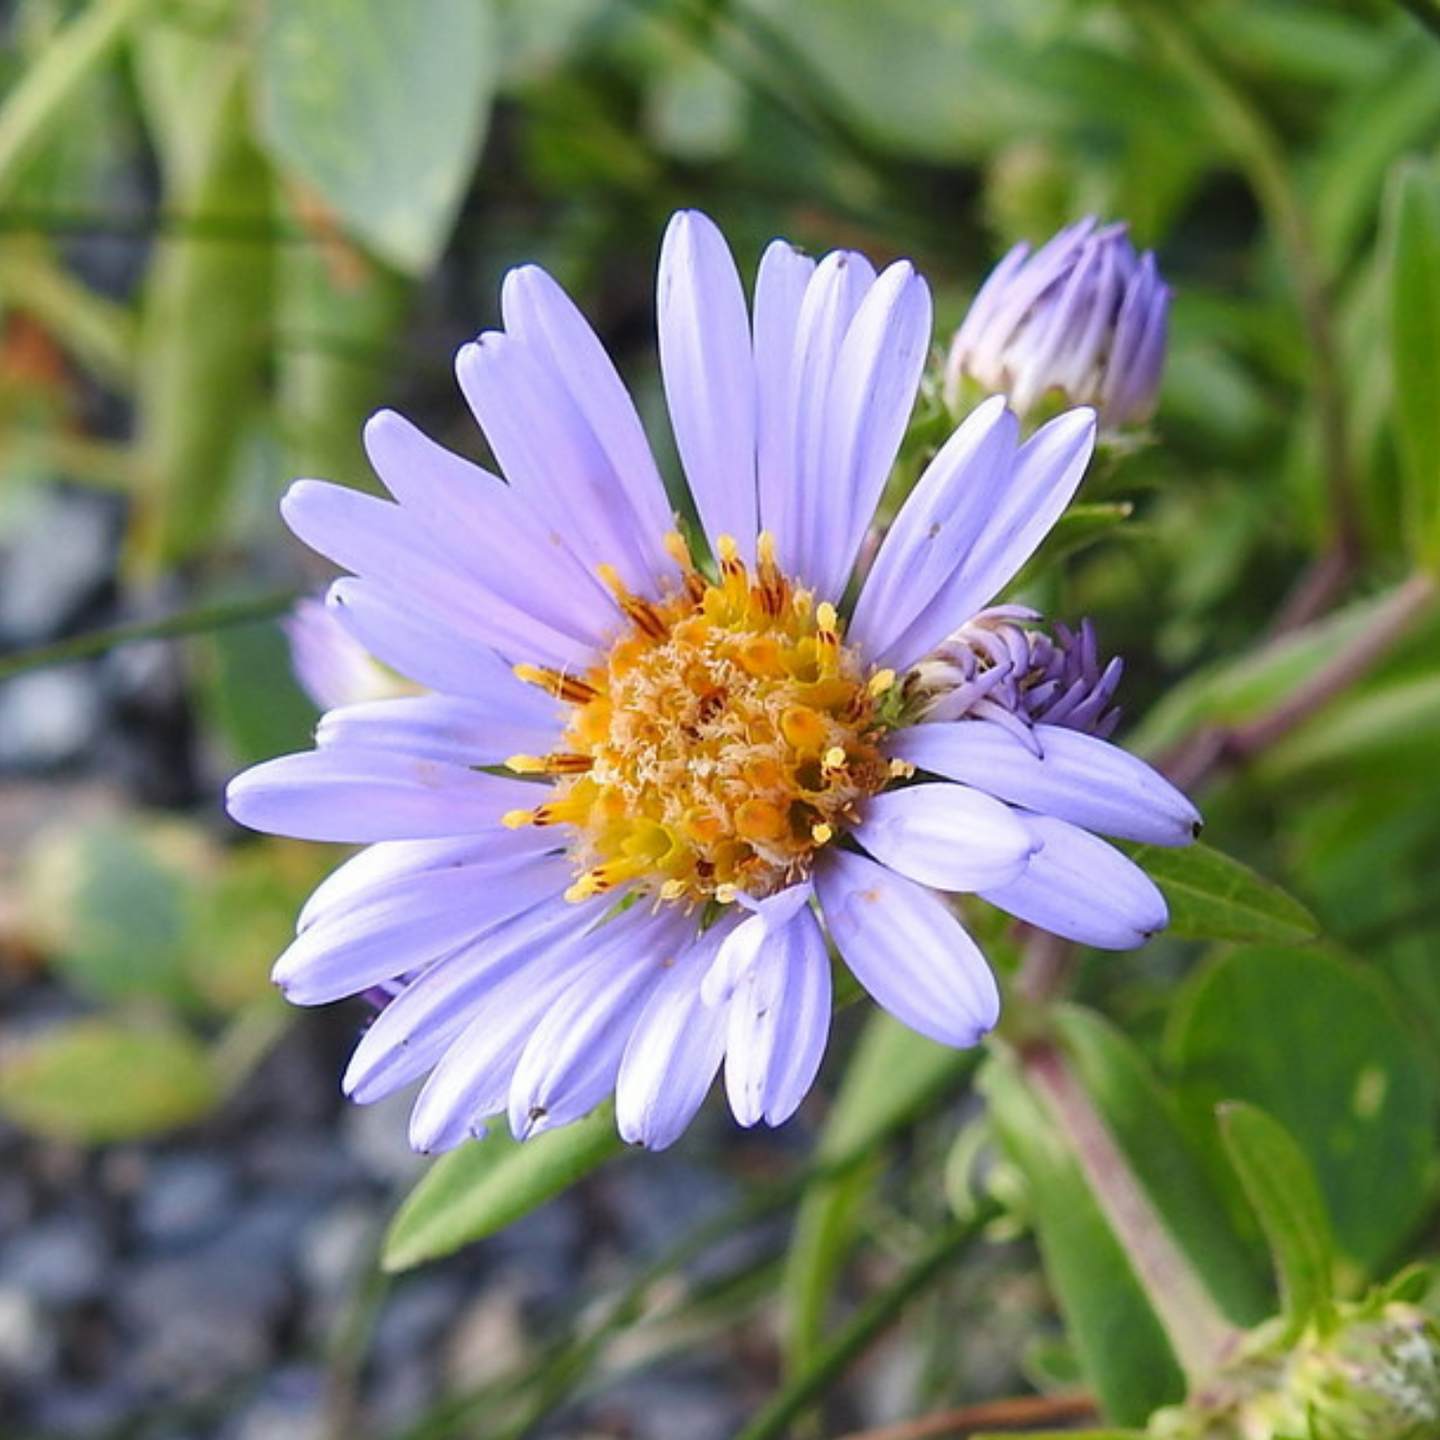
<point x="725" y="735"/>
<point x="803" y="728"/>
<point x="677" y="549"/>
<point x="639" y="611"/>
<point x="773" y="590"/>
<point x="569" y="688"/>
<point x="760" y="820"/>
<point x="558" y="764"/>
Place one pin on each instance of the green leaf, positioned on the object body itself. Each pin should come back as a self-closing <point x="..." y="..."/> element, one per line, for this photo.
<point x="1214" y="897"/>
<point x="974" y="75"/>
<point x="149" y="909"/>
<point x="113" y="904"/>
<point x="1392" y="112"/>
<point x="828" y="1223"/>
<point x="382" y="108"/>
<point x="1412" y="223"/>
<point x="1122" y="1347"/>
<point x="93" y="1081"/>
<point x="1285" y="1196"/>
<point x="337" y="314"/>
<point x="1321" y="1045"/>
<point x="893" y="1075"/>
<point x="247" y="918"/>
<point x="43" y="99"/>
<point x="207" y="322"/>
<point x="485" y="1185"/>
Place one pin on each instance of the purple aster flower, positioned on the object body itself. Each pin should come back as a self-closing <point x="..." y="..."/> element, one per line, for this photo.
<point x="652" y="780"/>
<point x="1084" y="317"/>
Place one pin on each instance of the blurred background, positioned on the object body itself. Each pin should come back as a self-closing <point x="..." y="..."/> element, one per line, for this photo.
<point x="229" y="229"/>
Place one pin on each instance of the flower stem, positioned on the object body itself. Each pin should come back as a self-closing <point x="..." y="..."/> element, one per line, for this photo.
<point x="1404" y="608"/>
<point x="1214" y="748"/>
<point x="190" y="622"/>
<point x="1021" y="1412"/>
<point x="1198" y="1333"/>
<point x="1045" y="966"/>
<point x="864" y="1329"/>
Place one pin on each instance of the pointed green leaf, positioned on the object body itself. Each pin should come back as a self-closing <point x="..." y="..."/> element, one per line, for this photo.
<point x="1391" y="110"/>
<point x="827" y="1226"/>
<point x="1321" y="1044"/>
<point x="1413" y="235"/>
<point x="1214" y="897"/>
<point x="1109" y="1317"/>
<point x="485" y="1185"/>
<point x="870" y="1321"/>
<point x="382" y="108"/>
<point x="1282" y="1190"/>
<point x="94" y="1081"/>
<point x="249" y="692"/>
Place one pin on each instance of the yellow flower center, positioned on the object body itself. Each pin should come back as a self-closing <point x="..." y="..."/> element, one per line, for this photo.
<point x="725" y="736"/>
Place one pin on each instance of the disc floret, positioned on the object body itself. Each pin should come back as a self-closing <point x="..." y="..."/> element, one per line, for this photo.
<point x="726" y="735"/>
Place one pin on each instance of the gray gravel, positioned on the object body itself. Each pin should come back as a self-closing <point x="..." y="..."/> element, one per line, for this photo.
<point x="203" y="1287"/>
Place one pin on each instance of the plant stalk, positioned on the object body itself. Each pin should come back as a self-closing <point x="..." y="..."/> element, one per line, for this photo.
<point x="1199" y="1334"/>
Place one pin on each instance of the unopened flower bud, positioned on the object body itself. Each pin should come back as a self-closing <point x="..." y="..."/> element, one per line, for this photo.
<point x="1371" y="1373"/>
<point x="1000" y="666"/>
<point x="1083" y="318"/>
<point x="331" y="666"/>
<point x="1378" y="1379"/>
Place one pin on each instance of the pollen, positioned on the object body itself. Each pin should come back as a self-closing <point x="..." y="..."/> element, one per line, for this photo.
<point x="726" y="735"/>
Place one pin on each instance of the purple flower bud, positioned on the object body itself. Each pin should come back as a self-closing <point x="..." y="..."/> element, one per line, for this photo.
<point x="1084" y="316"/>
<point x="999" y="667"/>
<point x="333" y="668"/>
